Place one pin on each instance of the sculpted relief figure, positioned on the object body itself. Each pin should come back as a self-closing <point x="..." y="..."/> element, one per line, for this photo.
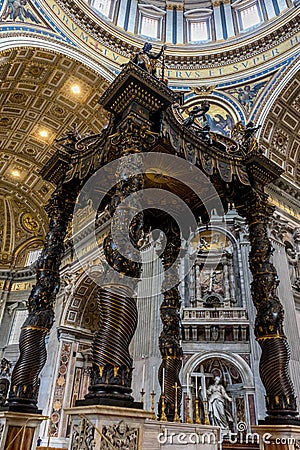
<point x="119" y="436"/>
<point x="5" y="369"/>
<point x="293" y="262"/>
<point x="218" y="411"/>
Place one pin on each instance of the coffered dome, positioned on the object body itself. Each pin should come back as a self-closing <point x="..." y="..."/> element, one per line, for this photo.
<point x="21" y="230"/>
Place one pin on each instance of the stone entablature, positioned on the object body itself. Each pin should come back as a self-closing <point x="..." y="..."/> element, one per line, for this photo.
<point x="221" y="314"/>
<point x="81" y="27"/>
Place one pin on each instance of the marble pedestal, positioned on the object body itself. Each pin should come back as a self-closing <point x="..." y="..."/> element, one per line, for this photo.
<point x="278" y="437"/>
<point x="103" y="428"/>
<point x="19" y="431"/>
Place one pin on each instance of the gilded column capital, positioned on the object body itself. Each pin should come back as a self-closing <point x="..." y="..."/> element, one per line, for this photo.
<point x="171" y="5"/>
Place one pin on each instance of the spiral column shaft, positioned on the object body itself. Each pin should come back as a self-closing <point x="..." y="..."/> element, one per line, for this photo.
<point x="280" y="397"/>
<point x="112" y="365"/>
<point x="24" y="387"/>
<point x="169" y="340"/>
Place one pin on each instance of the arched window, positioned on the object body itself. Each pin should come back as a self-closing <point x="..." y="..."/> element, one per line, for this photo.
<point x="150" y="21"/>
<point x="105" y="7"/>
<point x="248" y="14"/>
<point x="198" y="25"/>
<point x="32" y="256"/>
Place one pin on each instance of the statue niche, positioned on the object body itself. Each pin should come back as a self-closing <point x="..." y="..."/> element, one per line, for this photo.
<point x="212" y="280"/>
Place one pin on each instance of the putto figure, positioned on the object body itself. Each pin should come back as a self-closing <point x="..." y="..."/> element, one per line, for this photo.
<point x="147" y="60"/>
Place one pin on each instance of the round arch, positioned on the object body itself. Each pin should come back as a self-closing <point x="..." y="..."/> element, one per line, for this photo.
<point x="290" y="71"/>
<point x="232" y="358"/>
<point x="80" y="310"/>
<point x="54" y="47"/>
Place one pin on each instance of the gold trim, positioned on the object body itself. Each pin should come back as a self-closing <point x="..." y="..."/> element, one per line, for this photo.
<point x="270" y="336"/>
<point x="32" y="327"/>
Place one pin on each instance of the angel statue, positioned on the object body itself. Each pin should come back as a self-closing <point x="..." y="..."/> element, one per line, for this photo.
<point x="247" y="94"/>
<point x="245" y="136"/>
<point x="250" y="141"/>
<point x="238" y="132"/>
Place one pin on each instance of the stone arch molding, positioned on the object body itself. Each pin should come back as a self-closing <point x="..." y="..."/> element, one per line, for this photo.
<point x="287" y="75"/>
<point x="53" y="46"/>
<point x="224" y="230"/>
<point x="80" y="310"/>
<point x="233" y="358"/>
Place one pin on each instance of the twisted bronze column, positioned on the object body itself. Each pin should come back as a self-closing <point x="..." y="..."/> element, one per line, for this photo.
<point x="112" y="364"/>
<point x="25" y="377"/>
<point x="169" y="340"/>
<point x="280" y="398"/>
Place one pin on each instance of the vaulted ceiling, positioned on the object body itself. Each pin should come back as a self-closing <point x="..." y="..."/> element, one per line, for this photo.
<point x="42" y="94"/>
<point x="280" y="136"/>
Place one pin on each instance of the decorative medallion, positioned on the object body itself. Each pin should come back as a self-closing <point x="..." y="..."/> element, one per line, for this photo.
<point x="29" y="223"/>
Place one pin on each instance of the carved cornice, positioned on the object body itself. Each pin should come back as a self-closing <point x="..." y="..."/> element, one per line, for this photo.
<point x="188" y="56"/>
<point x="261" y="169"/>
<point x="147" y="90"/>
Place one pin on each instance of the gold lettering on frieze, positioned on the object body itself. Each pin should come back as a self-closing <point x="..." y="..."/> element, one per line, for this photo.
<point x="25" y="286"/>
<point x="173" y="74"/>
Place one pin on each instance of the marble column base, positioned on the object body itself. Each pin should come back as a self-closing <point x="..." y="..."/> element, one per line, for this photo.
<point x="19" y="431"/>
<point x="94" y="426"/>
<point x="278" y="437"/>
